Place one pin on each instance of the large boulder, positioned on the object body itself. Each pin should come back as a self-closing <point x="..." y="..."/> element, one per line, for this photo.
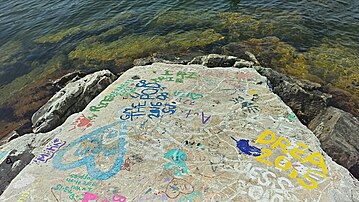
<point x="338" y="132"/>
<point x="71" y="99"/>
<point x="183" y="133"/>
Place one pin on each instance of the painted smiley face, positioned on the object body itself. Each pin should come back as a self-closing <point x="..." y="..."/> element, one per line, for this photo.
<point x="92" y="149"/>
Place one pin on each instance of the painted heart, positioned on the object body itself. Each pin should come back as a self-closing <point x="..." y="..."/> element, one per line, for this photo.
<point x="84" y="147"/>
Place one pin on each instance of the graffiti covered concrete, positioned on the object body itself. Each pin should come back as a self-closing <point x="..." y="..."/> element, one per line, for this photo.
<point x="184" y="133"/>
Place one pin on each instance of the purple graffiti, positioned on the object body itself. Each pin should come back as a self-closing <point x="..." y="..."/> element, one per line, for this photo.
<point x="50" y="151"/>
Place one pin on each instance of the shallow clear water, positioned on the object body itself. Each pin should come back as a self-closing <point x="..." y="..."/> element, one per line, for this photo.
<point x="302" y="24"/>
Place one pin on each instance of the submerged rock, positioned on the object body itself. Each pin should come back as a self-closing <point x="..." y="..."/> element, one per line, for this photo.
<point x="59" y="36"/>
<point x="183" y="132"/>
<point x="338" y="132"/>
<point x="71" y="99"/>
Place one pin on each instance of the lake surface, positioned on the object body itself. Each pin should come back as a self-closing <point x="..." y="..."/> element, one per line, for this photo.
<point x="42" y="40"/>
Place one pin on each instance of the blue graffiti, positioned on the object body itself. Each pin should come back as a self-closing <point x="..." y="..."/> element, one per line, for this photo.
<point x="243" y="146"/>
<point x="89" y="159"/>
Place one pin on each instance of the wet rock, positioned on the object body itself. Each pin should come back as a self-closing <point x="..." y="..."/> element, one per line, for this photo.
<point x="161" y="58"/>
<point x="338" y="132"/>
<point x="70" y="77"/>
<point x="203" y="126"/>
<point x="303" y="97"/>
<point x="215" y="60"/>
<point x="243" y="63"/>
<point x="71" y="99"/>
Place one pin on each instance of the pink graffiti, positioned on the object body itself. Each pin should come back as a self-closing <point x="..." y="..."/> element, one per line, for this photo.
<point x="115" y="198"/>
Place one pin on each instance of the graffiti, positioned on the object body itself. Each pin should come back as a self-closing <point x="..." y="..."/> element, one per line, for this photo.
<point x="250" y="107"/>
<point x="124" y="89"/>
<point x="8" y="160"/>
<point x="49" y="151"/>
<point x="178" y="78"/>
<point x="24" y="196"/>
<point x="193" y="145"/>
<point x="297" y="152"/>
<point x="115" y="198"/>
<point x="193" y="96"/>
<point x="244" y="147"/>
<point x="149" y="91"/>
<point x="157" y="197"/>
<point x="126" y="165"/>
<point x="185" y="101"/>
<point x="82" y="122"/>
<point x="291" y="117"/>
<point x="204" y="118"/>
<point x="75" y="184"/>
<point x="91" y="146"/>
<point x="177" y="163"/>
<point x="195" y="196"/>
<point x="3" y="154"/>
<point x="177" y="187"/>
<point x="269" y="187"/>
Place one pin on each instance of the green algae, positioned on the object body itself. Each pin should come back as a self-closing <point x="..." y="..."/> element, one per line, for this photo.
<point x="39" y="72"/>
<point x="8" y="50"/>
<point x="184" y="19"/>
<point x="115" y="21"/>
<point x="58" y="36"/>
<point x="134" y="46"/>
<point x="241" y="26"/>
<point x="261" y="24"/>
<point x="274" y="53"/>
<point x="336" y="64"/>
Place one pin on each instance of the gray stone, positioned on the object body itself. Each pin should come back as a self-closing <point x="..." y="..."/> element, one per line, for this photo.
<point x="71" y="99"/>
<point x="338" y="132"/>
<point x="214" y="60"/>
<point x="303" y="97"/>
<point x="67" y="78"/>
<point x="243" y="63"/>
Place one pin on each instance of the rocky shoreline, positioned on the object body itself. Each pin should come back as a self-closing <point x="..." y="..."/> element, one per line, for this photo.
<point x="335" y="128"/>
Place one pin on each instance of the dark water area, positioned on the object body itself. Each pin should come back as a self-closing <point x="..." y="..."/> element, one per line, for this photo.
<point x="42" y="40"/>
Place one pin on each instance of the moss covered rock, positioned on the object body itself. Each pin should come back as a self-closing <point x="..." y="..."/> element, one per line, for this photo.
<point x="59" y="36"/>
<point x="134" y="46"/>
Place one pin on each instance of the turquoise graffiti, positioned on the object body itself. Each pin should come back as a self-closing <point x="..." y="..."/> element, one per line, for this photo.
<point x="98" y="145"/>
<point x="177" y="163"/>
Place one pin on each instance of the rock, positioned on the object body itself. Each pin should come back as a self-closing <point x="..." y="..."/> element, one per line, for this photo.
<point x="160" y="58"/>
<point x="70" y="77"/>
<point x="303" y="97"/>
<point x="338" y="133"/>
<point x="17" y="154"/>
<point x="214" y="60"/>
<point x="243" y="63"/>
<point x="182" y="133"/>
<point x="71" y="99"/>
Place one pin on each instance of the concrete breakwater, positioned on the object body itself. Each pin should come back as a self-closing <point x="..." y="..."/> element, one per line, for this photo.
<point x="234" y="141"/>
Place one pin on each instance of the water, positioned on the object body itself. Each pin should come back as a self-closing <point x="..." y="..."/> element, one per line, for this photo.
<point x="309" y="26"/>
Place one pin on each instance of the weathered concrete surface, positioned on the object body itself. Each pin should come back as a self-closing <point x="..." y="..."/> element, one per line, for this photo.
<point x="71" y="99"/>
<point x="338" y="132"/>
<point x="183" y="133"/>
